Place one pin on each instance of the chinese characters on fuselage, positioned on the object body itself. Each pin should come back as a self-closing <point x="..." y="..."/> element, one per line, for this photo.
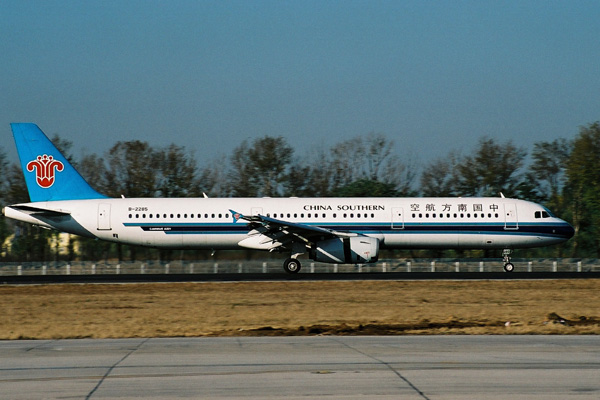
<point x="461" y="207"/>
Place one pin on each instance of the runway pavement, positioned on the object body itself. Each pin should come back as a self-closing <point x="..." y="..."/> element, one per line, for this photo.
<point x="325" y="367"/>
<point x="258" y="277"/>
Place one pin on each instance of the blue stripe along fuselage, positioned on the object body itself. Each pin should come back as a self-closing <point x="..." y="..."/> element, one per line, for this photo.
<point x="524" y="228"/>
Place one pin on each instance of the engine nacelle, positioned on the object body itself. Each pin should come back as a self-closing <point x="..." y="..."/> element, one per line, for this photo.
<point x="348" y="250"/>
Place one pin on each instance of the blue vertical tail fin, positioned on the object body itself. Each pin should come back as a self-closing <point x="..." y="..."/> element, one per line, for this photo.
<point x="48" y="174"/>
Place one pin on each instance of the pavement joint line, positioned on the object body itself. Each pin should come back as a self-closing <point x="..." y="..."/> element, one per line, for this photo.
<point x="40" y="345"/>
<point x="397" y="373"/>
<point x="108" y="372"/>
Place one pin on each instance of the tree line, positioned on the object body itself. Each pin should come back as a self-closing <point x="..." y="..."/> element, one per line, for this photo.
<point x="563" y="175"/>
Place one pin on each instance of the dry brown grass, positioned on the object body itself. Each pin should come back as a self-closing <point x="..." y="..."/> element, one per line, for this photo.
<point x="300" y="308"/>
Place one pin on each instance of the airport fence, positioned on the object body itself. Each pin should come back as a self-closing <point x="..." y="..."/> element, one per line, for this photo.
<point x="275" y="266"/>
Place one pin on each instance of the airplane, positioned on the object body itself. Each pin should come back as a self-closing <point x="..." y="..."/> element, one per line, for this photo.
<point x="330" y="230"/>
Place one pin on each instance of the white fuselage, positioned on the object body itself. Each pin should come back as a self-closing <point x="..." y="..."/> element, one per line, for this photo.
<point x="207" y="223"/>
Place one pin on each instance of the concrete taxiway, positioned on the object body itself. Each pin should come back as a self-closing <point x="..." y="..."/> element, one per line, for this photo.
<point x="399" y="367"/>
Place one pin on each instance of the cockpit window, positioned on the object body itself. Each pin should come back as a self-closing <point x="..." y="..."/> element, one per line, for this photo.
<point x="542" y="214"/>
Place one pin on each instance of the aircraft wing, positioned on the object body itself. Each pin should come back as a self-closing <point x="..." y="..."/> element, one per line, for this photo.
<point x="269" y="233"/>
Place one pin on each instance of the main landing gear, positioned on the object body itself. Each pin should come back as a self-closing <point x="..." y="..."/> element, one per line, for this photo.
<point x="508" y="266"/>
<point x="292" y="265"/>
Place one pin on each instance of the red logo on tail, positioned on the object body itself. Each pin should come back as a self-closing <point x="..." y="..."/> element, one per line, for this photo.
<point x="44" y="168"/>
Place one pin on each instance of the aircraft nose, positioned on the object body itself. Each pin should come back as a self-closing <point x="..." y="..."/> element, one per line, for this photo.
<point x="568" y="231"/>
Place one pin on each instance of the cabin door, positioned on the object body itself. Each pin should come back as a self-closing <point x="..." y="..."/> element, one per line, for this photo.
<point x="510" y="216"/>
<point x="104" y="217"/>
<point x="397" y="218"/>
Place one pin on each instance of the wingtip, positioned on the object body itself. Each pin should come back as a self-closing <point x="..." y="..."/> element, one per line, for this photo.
<point x="236" y="215"/>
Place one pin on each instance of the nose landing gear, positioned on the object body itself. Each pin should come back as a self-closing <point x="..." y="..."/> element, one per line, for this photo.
<point x="508" y="266"/>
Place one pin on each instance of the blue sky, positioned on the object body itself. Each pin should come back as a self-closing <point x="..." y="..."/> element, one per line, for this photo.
<point x="434" y="76"/>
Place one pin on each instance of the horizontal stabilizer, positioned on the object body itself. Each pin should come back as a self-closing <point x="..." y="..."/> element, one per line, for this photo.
<point x="47" y="212"/>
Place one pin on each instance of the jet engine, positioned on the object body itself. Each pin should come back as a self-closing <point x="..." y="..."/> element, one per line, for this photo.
<point x="346" y="250"/>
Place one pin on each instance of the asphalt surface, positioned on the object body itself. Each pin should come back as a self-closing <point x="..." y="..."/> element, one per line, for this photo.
<point x="245" y="277"/>
<point x="402" y="367"/>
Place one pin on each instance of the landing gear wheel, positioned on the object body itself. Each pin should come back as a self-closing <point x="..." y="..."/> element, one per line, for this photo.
<point x="292" y="266"/>
<point x="508" y="266"/>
